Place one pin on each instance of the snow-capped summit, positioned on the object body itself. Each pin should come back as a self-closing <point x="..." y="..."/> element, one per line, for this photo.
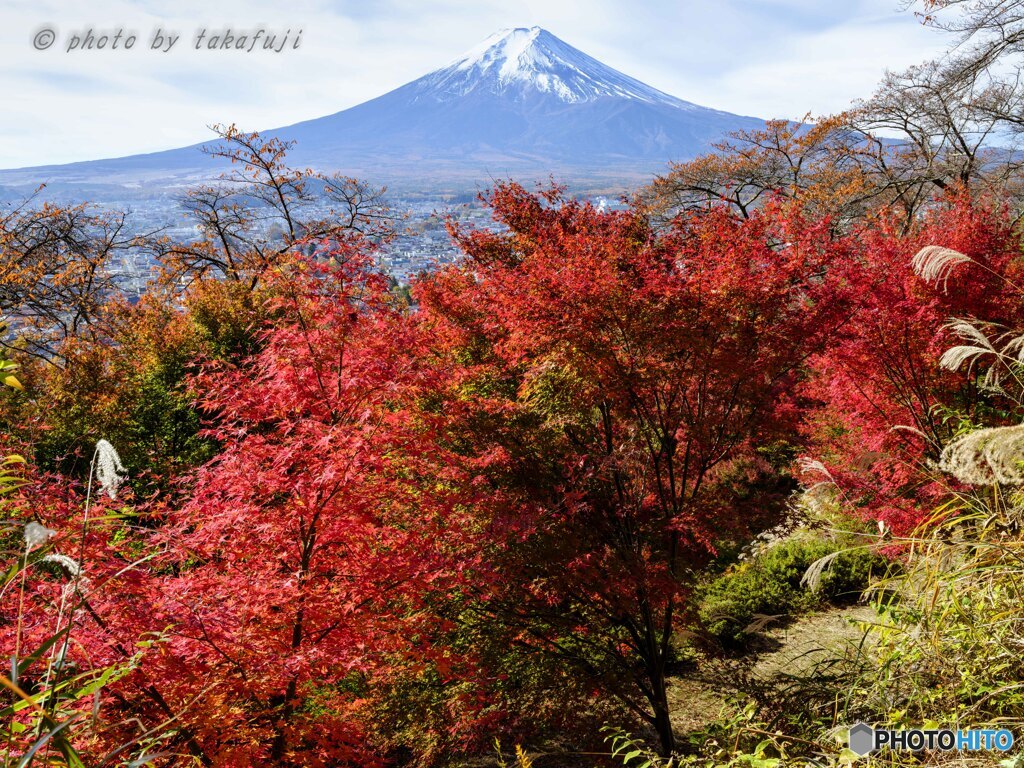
<point x="518" y="62"/>
<point x="522" y="103"/>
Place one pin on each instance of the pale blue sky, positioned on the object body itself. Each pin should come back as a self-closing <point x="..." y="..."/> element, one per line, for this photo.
<point x="769" y="58"/>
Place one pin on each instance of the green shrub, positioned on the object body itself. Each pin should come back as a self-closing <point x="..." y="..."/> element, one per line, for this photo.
<point x="739" y="602"/>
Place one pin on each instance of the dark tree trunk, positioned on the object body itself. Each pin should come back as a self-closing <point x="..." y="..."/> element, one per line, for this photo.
<point x="662" y="722"/>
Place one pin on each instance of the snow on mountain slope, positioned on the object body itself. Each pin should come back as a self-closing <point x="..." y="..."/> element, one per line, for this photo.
<point x="513" y="62"/>
<point x="522" y="100"/>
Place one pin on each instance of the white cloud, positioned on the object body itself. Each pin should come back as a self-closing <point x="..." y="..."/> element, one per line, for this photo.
<point x="823" y="72"/>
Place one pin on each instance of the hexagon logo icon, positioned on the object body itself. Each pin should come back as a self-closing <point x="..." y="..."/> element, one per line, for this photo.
<point x="862" y="739"/>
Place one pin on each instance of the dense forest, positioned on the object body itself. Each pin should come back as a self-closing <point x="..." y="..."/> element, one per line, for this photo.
<point x="283" y="511"/>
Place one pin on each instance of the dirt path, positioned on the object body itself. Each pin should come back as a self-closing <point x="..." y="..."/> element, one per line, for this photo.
<point x="699" y="698"/>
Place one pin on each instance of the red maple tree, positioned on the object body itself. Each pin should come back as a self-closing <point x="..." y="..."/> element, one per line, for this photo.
<point x="612" y="383"/>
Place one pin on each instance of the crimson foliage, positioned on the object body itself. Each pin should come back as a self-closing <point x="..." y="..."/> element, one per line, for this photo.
<point x="484" y="514"/>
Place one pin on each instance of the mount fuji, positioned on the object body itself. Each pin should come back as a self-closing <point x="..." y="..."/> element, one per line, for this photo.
<point x="522" y="103"/>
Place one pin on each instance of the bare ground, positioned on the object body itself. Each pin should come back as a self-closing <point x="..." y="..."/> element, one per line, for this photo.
<point x="700" y="697"/>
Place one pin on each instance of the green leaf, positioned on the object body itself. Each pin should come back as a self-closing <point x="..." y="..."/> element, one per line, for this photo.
<point x="33" y="657"/>
<point x="26" y="759"/>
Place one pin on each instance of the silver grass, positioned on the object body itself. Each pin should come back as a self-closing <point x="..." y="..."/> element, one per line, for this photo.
<point x="36" y="535"/>
<point x="813" y="466"/>
<point x="69" y="589"/>
<point x="819" y="499"/>
<point x="978" y="345"/>
<point x="986" y="456"/>
<point x="1014" y="348"/>
<point x="1005" y="455"/>
<point x="68" y="564"/>
<point x="971" y="333"/>
<point x="761" y="621"/>
<point x="934" y="263"/>
<point x="911" y="430"/>
<point x="914" y="431"/>
<point x="955" y="357"/>
<point x="813" y="575"/>
<point x="110" y="473"/>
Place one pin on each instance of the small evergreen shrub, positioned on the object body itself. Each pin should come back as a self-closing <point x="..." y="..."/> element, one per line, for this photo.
<point x="741" y="601"/>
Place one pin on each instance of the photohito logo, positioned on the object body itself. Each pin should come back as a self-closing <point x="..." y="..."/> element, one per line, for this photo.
<point x="865" y="739"/>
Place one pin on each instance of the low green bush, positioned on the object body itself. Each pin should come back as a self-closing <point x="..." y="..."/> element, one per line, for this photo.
<point x="740" y="601"/>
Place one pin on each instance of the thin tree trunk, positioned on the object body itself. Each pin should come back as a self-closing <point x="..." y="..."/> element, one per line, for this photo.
<point x="662" y="722"/>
